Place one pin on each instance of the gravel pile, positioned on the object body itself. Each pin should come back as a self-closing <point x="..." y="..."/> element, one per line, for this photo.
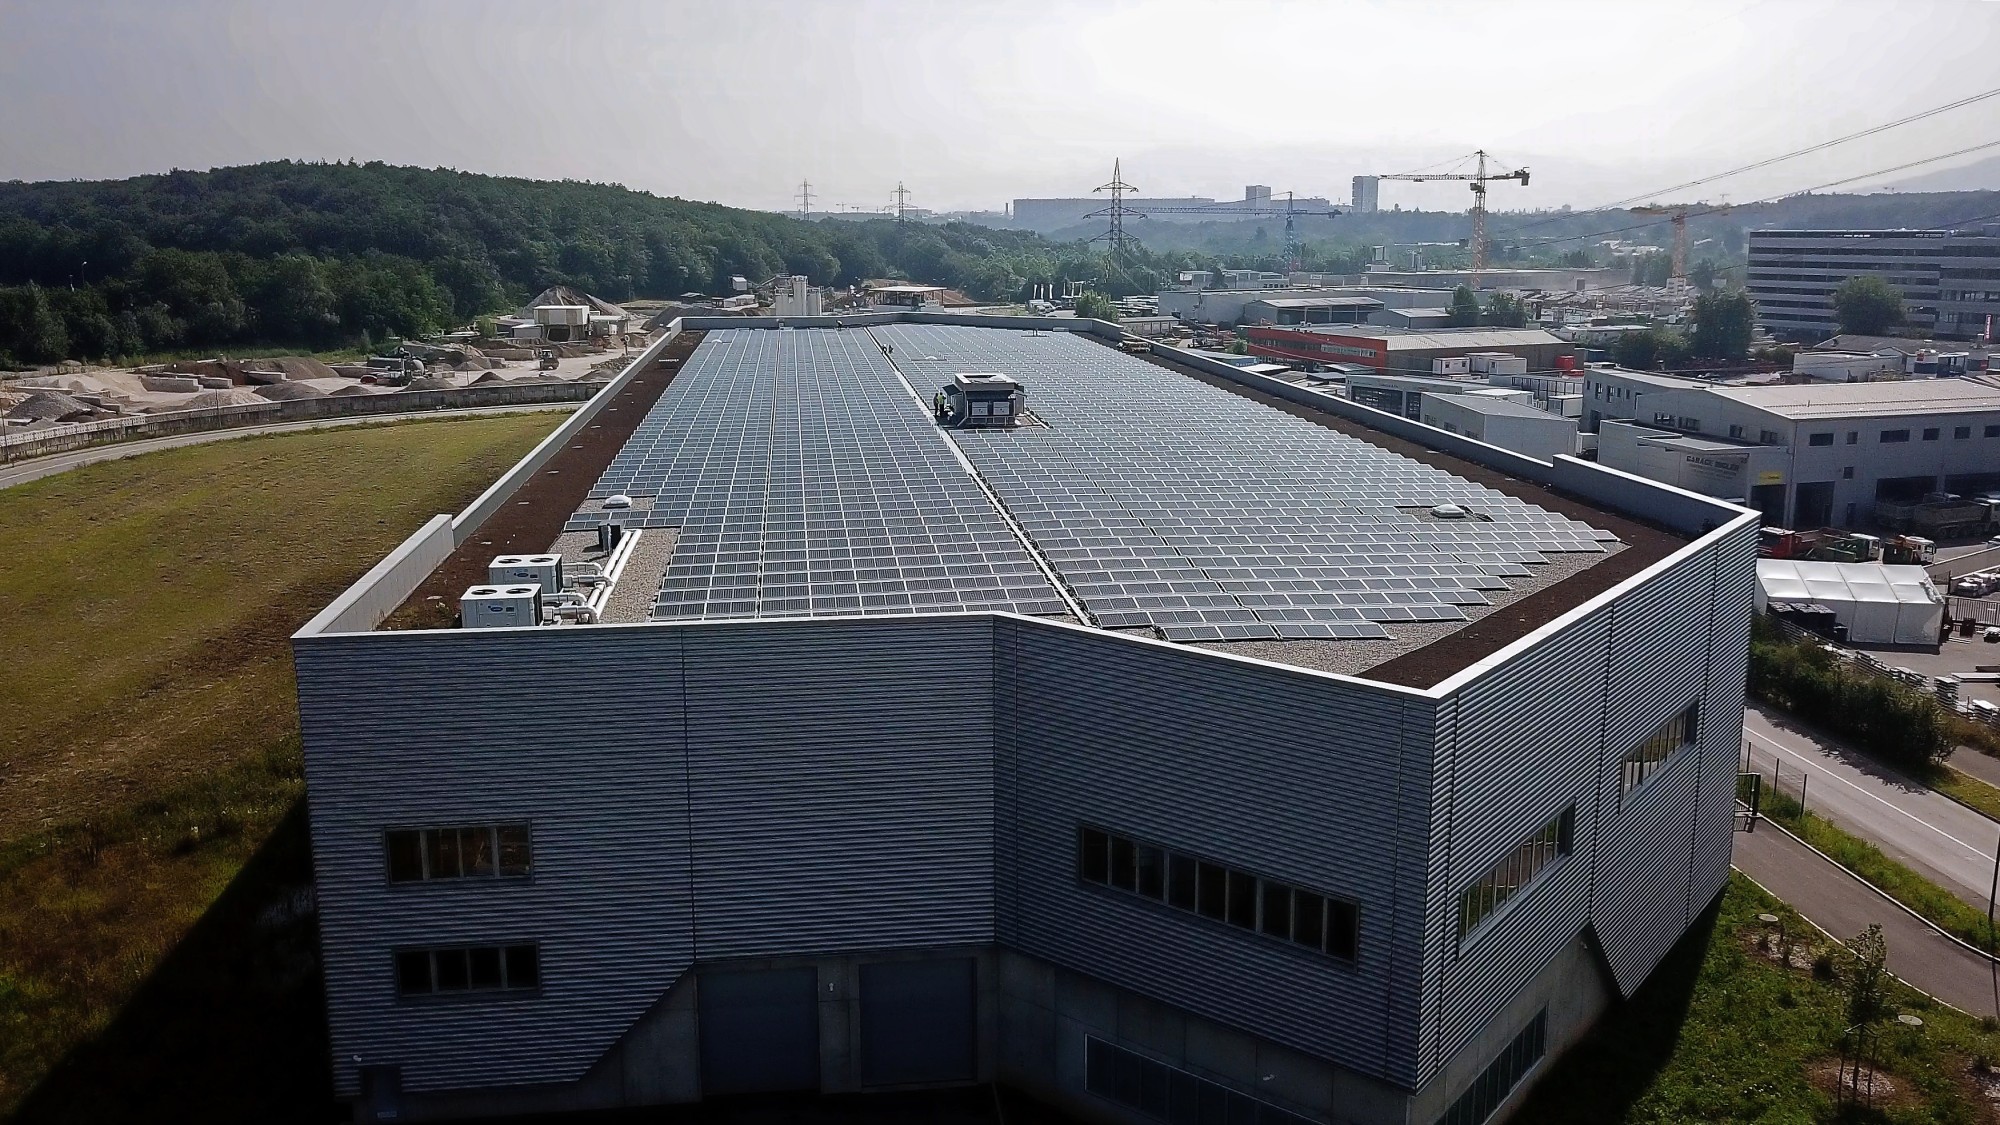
<point x="49" y="406"/>
<point x="287" y="392"/>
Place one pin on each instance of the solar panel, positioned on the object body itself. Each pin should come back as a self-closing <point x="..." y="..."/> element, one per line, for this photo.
<point x="807" y="479"/>
<point x="1163" y="501"/>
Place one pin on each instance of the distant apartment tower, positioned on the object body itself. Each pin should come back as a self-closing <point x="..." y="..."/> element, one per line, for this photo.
<point x="1367" y="194"/>
<point x="1950" y="280"/>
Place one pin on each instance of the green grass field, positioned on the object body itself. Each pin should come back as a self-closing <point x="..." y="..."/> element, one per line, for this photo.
<point x="155" y="923"/>
<point x="1722" y="1033"/>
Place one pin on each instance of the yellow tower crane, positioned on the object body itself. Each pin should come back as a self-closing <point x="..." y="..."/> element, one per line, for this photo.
<point x="1679" y="213"/>
<point x="1479" y="179"/>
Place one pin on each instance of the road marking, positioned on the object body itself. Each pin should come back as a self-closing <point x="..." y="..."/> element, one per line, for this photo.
<point x="1826" y="772"/>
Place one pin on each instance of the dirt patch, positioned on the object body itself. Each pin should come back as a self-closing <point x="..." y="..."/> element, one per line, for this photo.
<point x="534" y="516"/>
<point x="1646" y="544"/>
<point x="1877" y="1088"/>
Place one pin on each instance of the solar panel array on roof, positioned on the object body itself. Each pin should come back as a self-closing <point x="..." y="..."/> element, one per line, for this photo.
<point x="1165" y="502"/>
<point x="807" y="482"/>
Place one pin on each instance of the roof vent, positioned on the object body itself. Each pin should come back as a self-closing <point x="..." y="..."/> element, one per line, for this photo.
<point x="1449" y="512"/>
<point x="619" y="501"/>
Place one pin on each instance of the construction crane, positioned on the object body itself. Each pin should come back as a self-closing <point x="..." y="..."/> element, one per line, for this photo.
<point x="1479" y="179"/>
<point x="1119" y="211"/>
<point x="1679" y="213"/>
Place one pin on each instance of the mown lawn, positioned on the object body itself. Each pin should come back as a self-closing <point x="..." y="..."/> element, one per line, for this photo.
<point x="1722" y="1033"/>
<point x="156" y="942"/>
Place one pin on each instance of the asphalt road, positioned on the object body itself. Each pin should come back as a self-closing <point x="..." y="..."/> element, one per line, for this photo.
<point x="1843" y="906"/>
<point x="21" y="472"/>
<point x="1941" y="839"/>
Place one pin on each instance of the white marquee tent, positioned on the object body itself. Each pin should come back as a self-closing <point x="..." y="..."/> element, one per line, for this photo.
<point x="1880" y="605"/>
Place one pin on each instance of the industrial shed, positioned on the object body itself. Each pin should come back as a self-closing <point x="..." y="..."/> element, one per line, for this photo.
<point x="1880" y="605"/>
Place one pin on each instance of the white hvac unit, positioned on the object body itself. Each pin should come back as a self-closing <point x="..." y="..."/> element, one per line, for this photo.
<point x="500" y="607"/>
<point x="1450" y="365"/>
<point x="545" y="571"/>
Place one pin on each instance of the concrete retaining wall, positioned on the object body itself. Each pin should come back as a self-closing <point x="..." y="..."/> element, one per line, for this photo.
<point x="78" y="435"/>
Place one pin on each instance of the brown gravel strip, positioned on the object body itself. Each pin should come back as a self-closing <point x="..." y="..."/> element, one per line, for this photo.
<point x="534" y="516"/>
<point x="1646" y="543"/>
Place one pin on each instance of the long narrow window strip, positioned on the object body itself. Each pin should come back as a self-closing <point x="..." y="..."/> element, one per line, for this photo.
<point x="1167" y="1093"/>
<point x="1652" y="752"/>
<point x="1300" y="917"/>
<point x="1487" y="1092"/>
<point x="1515" y="870"/>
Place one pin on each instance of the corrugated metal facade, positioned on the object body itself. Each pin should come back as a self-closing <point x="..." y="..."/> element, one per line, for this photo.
<point x="723" y="790"/>
<point x="1295" y="777"/>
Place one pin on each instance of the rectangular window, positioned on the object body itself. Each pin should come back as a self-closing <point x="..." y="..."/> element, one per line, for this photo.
<point x="1931" y="433"/>
<point x="1847" y="473"/>
<point x="1238" y="898"/>
<point x="1736" y="431"/>
<point x="1153" y="1089"/>
<point x="479" y="851"/>
<point x="1516" y="870"/>
<point x="1892" y="436"/>
<point x="1853" y="436"/>
<point x="1960" y="433"/>
<point x="1481" y="1099"/>
<point x="1993" y="431"/>
<point x="1820" y="439"/>
<point x="1644" y="760"/>
<point x="477" y="968"/>
<point x="1768" y="437"/>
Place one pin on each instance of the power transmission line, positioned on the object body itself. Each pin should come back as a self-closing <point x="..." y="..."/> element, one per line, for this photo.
<point x="1768" y="161"/>
<point x="1694" y="213"/>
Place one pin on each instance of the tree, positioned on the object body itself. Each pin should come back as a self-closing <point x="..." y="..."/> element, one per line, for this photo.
<point x="1643" y="351"/>
<point x="1723" y="325"/>
<point x="1652" y="269"/>
<point x="1578" y="259"/>
<point x="1504" y="310"/>
<point x="1867" y="305"/>
<point x="1864" y="981"/>
<point x="1095" y="306"/>
<point x="30" y="329"/>
<point x="1464" y="311"/>
<point x="1702" y="273"/>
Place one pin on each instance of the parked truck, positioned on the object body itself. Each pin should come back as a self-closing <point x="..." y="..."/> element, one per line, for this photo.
<point x="1938" y="516"/>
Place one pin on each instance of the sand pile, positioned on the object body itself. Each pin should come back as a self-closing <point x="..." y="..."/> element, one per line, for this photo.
<point x="208" y="400"/>
<point x="430" y="383"/>
<point x="490" y="378"/>
<point x="357" y="389"/>
<point x="288" y="392"/>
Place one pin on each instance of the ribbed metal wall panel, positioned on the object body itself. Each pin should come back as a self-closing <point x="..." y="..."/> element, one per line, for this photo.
<point x="554" y="726"/>
<point x="1721" y="732"/>
<point x="1662" y="645"/>
<point x="1291" y="776"/>
<point x="841" y="776"/>
<point x="1517" y="747"/>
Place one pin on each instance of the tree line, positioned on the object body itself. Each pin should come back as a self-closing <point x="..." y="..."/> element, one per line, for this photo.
<point x="324" y="254"/>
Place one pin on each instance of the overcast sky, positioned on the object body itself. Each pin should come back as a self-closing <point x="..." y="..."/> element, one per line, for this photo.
<point x="972" y="103"/>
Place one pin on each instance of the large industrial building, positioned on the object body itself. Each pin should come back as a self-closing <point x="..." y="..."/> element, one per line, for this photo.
<point x="1048" y="215"/>
<point x="1805" y="455"/>
<point x="1950" y="280"/>
<point x="961" y="700"/>
<point x="1402" y="350"/>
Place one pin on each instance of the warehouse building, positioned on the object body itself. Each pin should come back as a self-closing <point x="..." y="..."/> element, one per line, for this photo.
<point x="1510" y="422"/>
<point x="988" y="695"/>
<point x="1403" y="351"/>
<point x="1805" y="455"/>
<point x="1950" y="280"/>
<point x="1196" y="303"/>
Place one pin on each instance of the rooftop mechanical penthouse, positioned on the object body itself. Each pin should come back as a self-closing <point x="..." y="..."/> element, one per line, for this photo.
<point x="925" y="701"/>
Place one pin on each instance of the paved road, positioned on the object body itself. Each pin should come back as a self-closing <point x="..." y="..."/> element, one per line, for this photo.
<point x="21" y="472"/>
<point x="1943" y="840"/>
<point x="1844" y="906"/>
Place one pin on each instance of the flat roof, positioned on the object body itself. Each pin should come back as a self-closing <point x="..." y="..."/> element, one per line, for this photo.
<point x="804" y="476"/>
<point x="1861" y="400"/>
<point x="1424" y="339"/>
<point x="1498" y="407"/>
<point x="1319" y="302"/>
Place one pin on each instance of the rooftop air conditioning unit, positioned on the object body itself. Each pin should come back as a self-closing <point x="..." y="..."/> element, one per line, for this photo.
<point x="545" y="571"/>
<point x="500" y="607"/>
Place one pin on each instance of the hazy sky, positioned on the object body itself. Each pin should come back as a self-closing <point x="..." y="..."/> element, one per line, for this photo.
<point x="973" y="103"/>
